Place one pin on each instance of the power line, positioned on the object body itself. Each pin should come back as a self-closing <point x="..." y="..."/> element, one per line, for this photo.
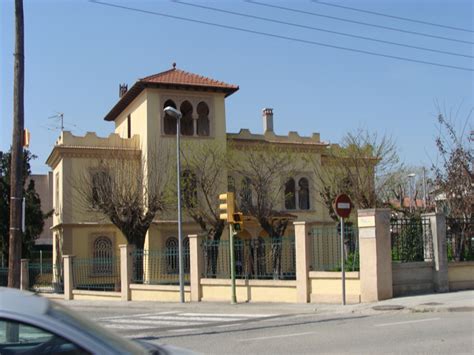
<point x="392" y="16"/>
<point x="357" y="22"/>
<point x="267" y="19"/>
<point x="294" y="39"/>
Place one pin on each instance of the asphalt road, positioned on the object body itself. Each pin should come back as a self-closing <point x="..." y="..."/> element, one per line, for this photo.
<point x="305" y="332"/>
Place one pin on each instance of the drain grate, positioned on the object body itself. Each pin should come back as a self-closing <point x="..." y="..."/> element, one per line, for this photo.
<point x="388" y="307"/>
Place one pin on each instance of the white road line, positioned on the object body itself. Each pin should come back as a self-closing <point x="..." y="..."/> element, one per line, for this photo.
<point x="186" y="318"/>
<point x="277" y="336"/>
<point x="228" y="315"/>
<point x="150" y="322"/>
<point x="182" y="330"/>
<point x="406" y="322"/>
<point x="125" y="326"/>
<point x="132" y="315"/>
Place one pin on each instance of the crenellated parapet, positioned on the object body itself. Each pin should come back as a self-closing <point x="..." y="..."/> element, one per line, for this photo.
<point x="92" y="140"/>
<point x="270" y="137"/>
<point x="91" y="146"/>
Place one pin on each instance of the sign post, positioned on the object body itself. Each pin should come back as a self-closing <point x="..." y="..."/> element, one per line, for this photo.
<point x="342" y="206"/>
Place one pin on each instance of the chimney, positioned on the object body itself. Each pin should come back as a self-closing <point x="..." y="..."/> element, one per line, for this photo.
<point x="123" y="88"/>
<point x="267" y="114"/>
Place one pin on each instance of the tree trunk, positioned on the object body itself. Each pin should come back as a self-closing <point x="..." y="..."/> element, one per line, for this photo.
<point x="16" y="189"/>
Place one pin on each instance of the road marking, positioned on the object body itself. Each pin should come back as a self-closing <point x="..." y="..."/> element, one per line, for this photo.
<point x="125" y="326"/>
<point x="277" y="336"/>
<point x="132" y="315"/>
<point x="153" y="322"/>
<point x="406" y="322"/>
<point x="229" y="315"/>
<point x="204" y="319"/>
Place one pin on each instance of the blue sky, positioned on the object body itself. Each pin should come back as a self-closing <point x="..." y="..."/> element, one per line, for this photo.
<point x="78" y="52"/>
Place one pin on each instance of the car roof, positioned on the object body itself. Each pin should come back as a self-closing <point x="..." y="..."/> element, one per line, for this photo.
<point x="22" y="302"/>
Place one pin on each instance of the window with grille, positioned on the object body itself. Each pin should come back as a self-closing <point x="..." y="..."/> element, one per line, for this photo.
<point x="102" y="256"/>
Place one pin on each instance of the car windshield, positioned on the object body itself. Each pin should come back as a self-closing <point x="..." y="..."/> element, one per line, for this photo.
<point x="101" y="334"/>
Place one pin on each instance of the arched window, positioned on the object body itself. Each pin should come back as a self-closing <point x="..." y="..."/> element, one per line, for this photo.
<point x="171" y="252"/>
<point x="186" y="261"/>
<point x="303" y="194"/>
<point x="290" y="196"/>
<point x="187" y="124"/>
<point x="102" y="256"/>
<point x="189" y="188"/>
<point x="169" y="123"/>
<point x="246" y="194"/>
<point x="230" y="184"/>
<point x="203" y="119"/>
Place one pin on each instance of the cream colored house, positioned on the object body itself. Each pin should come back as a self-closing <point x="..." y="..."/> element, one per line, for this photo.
<point x="142" y="129"/>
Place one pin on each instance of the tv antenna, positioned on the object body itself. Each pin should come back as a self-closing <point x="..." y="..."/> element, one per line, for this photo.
<point x="59" y="116"/>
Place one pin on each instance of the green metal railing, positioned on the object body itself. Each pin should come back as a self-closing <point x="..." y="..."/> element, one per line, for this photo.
<point x="159" y="267"/>
<point x="460" y="239"/>
<point x="411" y="239"/>
<point x="45" y="277"/>
<point x="326" y="248"/>
<point x="3" y="276"/>
<point x="99" y="274"/>
<point x="258" y="258"/>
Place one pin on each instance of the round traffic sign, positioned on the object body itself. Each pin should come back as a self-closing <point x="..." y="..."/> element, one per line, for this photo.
<point x="342" y="205"/>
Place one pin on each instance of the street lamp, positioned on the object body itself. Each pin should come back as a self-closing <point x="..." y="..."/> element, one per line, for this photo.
<point x="171" y="111"/>
<point x="411" y="178"/>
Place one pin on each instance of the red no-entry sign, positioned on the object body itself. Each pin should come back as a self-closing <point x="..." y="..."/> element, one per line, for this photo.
<point x="342" y="205"/>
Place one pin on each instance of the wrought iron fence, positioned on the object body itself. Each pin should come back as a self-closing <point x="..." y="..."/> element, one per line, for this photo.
<point x="99" y="274"/>
<point x="3" y="276"/>
<point x="159" y="267"/>
<point x="460" y="239"/>
<point x="411" y="239"/>
<point x="258" y="258"/>
<point x="326" y="248"/>
<point x="45" y="277"/>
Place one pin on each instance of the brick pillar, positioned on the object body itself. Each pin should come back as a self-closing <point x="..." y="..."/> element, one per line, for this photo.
<point x="24" y="275"/>
<point x="375" y="255"/>
<point x="302" y="262"/>
<point x="68" y="277"/>
<point x="196" y="266"/>
<point x="440" y="253"/>
<point x="126" y="270"/>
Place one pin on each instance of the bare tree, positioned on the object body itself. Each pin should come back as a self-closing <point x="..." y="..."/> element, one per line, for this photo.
<point x="127" y="190"/>
<point x="454" y="175"/>
<point x="361" y="166"/>
<point x="203" y="179"/>
<point x="264" y="169"/>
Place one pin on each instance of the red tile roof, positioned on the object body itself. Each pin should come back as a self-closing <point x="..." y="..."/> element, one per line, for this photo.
<point x="171" y="79"/>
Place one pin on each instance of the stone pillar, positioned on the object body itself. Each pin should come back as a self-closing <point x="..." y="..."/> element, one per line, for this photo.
<point x="440" y="253"/>
<point x="126" y="270"/>
<point x="24" y="275"/>
<point x="375" y="255"/>
<point x="196" y="266"/>
<point x="68" y="277"/>
<point x="302" y="262"/>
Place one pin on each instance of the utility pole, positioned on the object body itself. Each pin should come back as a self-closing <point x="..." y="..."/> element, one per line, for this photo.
<point x="16" y="178"/>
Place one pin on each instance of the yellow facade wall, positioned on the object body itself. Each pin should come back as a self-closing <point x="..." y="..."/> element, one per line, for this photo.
<point x="96" y="296"/>
<point x="249" y="290"/>
<point x="161" y="293"/>
<point x="326" y="287"/>
<point x="461" y="275"/>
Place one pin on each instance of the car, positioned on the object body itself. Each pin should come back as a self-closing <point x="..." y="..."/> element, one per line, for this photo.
<point x="30" y="324"/>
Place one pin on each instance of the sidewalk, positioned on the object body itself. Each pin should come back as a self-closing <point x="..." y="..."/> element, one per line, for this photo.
<point x="462" y="301"/>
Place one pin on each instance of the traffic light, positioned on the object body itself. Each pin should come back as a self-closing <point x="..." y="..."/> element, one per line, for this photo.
<point x="227" y="206"/>
<point x="238" y="221"/>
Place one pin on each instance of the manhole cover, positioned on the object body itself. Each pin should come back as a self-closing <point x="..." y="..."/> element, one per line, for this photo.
<point x="388" y="307"/>
<point x="432" y="304"/>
